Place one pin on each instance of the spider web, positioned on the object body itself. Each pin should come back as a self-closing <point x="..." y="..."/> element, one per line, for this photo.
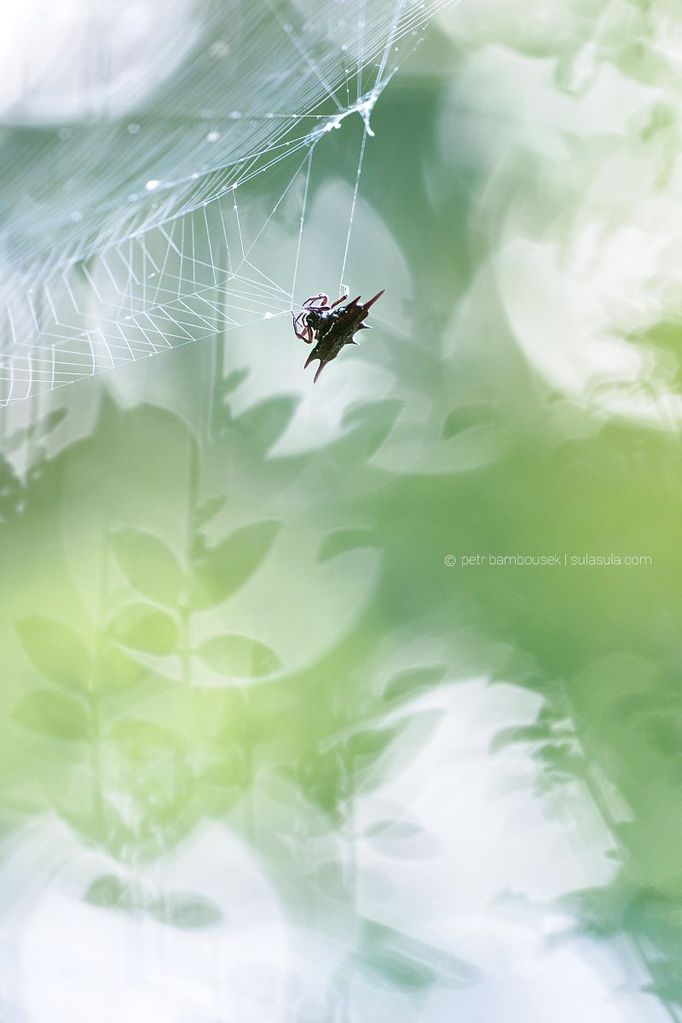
<point x="146" y="236"/>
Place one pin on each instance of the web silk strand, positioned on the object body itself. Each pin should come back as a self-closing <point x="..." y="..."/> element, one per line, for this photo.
<point x="353" y="206"/>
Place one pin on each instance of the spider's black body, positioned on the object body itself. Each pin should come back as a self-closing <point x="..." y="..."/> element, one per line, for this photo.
<point x="330" y="326"/>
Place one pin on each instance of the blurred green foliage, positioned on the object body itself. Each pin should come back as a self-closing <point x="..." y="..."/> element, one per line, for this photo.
<point x="137" y="708"/>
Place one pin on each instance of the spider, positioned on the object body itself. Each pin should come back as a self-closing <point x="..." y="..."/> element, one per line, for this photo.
<point x="330" y="326"/>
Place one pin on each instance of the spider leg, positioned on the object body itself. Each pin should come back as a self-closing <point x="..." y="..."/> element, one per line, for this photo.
<point x="301" y="329"/>
<point x="338" y="301"/>
<point x="316" y="298"/>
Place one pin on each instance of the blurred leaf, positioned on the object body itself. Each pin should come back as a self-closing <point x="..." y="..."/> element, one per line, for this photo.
<point x="143" y="627"/>
<point x="99" y="825"/>
<point x="599" y="910"/>
<point x="141" y="740"/>
<point x="208" y="509"/>
<point x="52" y="420"/>
<point x="561" y="760"/>
<point x="38" y="429"/>
<point x="178" y="909"/>
<point x="369" y="426"/>
<point x="370" y="744"/>
<point x="402" y="839"/>
<point x="413" y="682"/>
<point x="653" y="917"/>
<point x="398" y="743"/>
<point x="149" y="565"/>
<point x="11" y="491"/>
<point x="52" y="714"/>
<point x="239" y="656"/>
<point x="332" y="777"/>
<point x="56" y="651"/>
<point x="233" y="380"/>
<point x="395" y="969"/>
<point x="115" y="670"/>
<point x="255" y="714"/>
<point x="343" y="540"/>
<point x="324" y="779"/>
<point x="110" y="892"/>
<point x="224" y="782"/>
<point x="666" y="981"/>
<point x="409" y="963"/>
<point x="185" y="910"/>
<point x="226" y="567"/>
<point x="519" y="734"/>
<point x="368" y="414"/>
<point x="16" y="438"/>
<point x="198" y="546"/>
<point x="265" y="422"/>
<point x="394" y="829"/>
<point x="464" y="416"/>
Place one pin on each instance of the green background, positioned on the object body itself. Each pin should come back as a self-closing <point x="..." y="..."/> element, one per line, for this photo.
<point x="203" y="626"/>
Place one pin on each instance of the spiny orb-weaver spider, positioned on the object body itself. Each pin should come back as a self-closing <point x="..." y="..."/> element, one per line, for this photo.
<point x="330" y="326"/>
